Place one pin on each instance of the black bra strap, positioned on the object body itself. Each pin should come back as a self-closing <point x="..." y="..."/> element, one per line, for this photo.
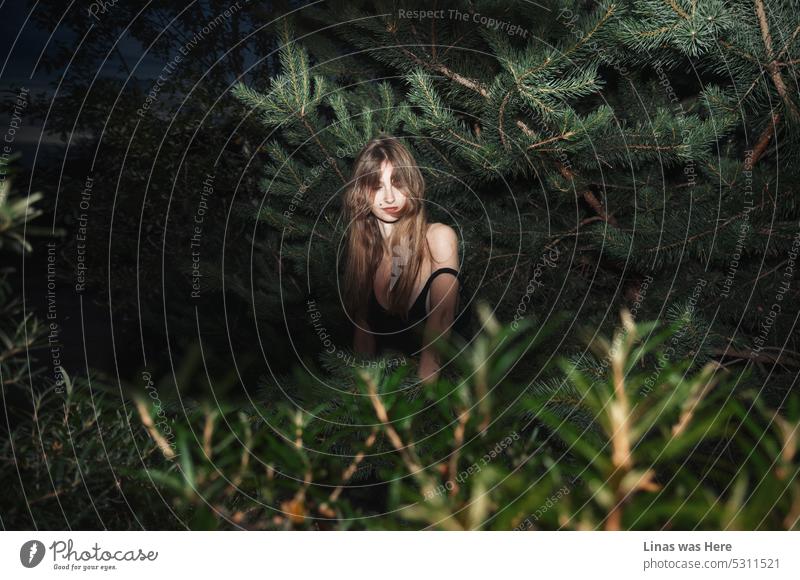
<point x="436" y="273"/>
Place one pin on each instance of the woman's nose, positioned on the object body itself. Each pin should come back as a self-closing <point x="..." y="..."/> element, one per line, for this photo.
<point x="389" y="197"/>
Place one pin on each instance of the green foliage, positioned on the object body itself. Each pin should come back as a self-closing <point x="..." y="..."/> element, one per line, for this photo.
<point x="16" y="213"/>
<point x="585" y="135"/>
<point x="73" y="461"/>
<point x="621" y="155"/>
<point x="20" y="332"/>
<point x="637" y="441"/>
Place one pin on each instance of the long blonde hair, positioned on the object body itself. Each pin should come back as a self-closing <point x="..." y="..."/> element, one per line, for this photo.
<point x="365" y="244"/>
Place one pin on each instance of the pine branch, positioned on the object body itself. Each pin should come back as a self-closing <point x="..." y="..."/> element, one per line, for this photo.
<point x="585" y="38"/>
<point x="476" y="86"/>
<point x="452" y="75"/>
<point x="678" y="10"/>
<point x="351" y="469"/>
<point x="764" y="139"/>
<point x="789" y="42"/>
<point x="566" y="135"/>
<point x="761" y="357"/>
<point x="313" y="134"/>
<point x="713" y="230"/>
<point x="772" y="66"/>
<point x="589" y="197"/>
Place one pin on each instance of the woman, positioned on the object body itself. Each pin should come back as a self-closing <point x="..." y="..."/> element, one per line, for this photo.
<point x="401" y="280"/>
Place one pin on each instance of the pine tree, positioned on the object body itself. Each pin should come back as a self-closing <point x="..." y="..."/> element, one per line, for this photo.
<point x="635" y="154"/>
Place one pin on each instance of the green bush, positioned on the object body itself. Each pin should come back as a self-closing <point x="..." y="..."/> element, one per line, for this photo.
<point x="643" y="443"/>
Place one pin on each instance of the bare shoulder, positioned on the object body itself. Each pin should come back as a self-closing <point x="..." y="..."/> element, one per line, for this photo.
<point x="443" y="244"/>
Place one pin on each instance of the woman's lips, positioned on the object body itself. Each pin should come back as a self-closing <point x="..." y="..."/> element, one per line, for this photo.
<point x="392" y="210"/>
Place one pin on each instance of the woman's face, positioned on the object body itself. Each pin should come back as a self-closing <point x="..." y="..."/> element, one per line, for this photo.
<point x="388" y="202"/>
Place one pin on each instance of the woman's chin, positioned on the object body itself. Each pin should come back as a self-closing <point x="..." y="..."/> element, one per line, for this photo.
<point x="388" y="217"/>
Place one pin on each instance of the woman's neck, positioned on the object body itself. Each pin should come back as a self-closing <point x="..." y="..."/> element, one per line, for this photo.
<point x="386" y="230"/>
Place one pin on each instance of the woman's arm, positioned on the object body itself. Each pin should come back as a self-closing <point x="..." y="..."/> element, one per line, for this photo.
<point x="363" y="339"/>
<point x="443" y="243"/>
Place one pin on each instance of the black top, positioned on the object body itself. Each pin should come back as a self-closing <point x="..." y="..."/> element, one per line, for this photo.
<point x="392" y="332"/>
